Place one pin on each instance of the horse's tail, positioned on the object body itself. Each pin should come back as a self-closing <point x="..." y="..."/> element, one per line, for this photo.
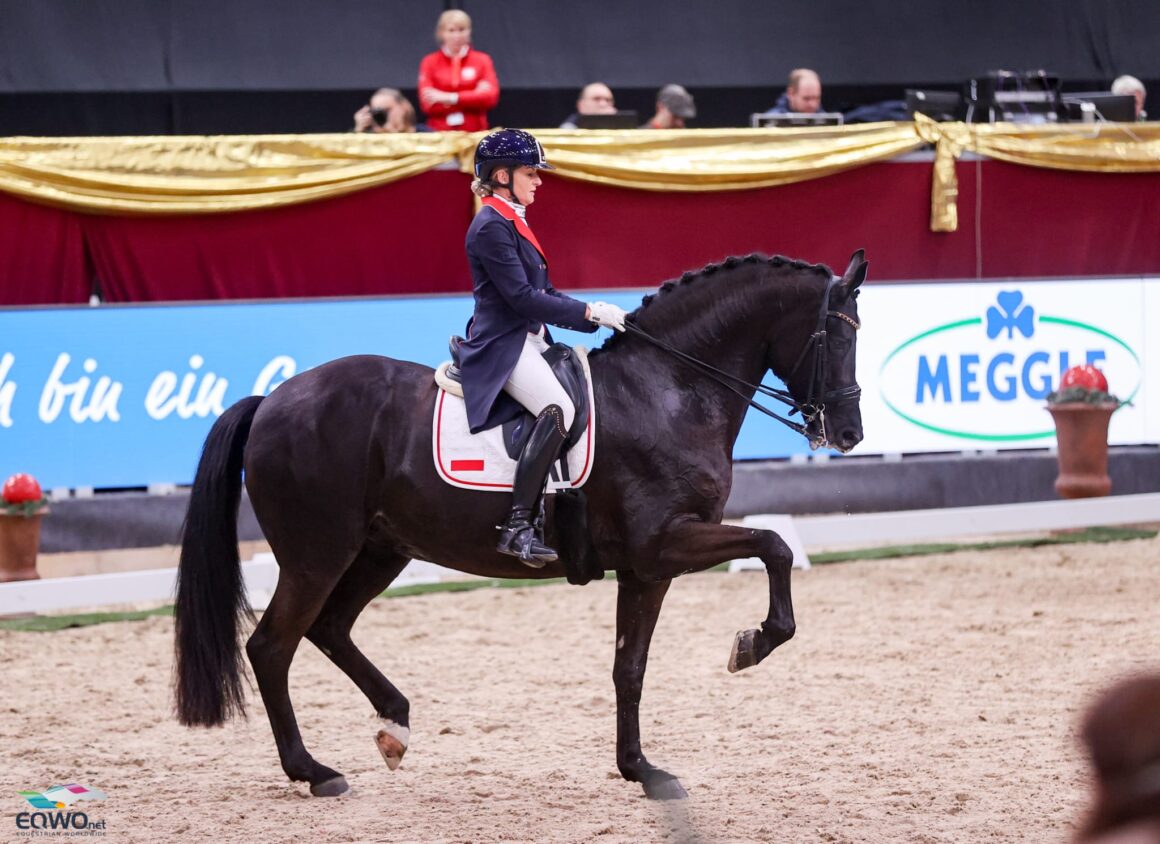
<point x="211" y="595"/>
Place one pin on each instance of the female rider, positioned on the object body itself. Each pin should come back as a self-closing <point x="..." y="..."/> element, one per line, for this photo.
<point x="501" y="357"/>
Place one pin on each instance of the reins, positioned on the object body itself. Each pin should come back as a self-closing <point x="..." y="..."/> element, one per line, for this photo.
<point x="808" y="409"/>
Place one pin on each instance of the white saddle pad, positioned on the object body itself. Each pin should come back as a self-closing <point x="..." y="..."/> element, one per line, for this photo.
<point x="480" y="461"/>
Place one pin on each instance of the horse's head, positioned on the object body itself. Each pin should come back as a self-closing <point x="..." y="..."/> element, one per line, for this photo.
<point x="822" y="379"/>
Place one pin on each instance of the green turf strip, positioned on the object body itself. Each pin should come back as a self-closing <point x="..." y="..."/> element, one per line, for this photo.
<point x="1096" y="534"/>
<point x="46" y="623"/>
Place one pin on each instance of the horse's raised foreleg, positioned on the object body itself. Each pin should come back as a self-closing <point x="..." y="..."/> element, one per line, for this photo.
<point x="370" y="573"/>
<point x="690" y="545"/>
<point x="638" y="603"/>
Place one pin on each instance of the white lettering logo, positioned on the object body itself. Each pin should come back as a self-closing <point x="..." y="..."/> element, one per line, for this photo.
<point x="82" y="407"/>
<point x="7" y="391"/>
<point x="161" y="400"/>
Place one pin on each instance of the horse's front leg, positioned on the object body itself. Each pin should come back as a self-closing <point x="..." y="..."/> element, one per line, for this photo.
<point x="691" y="545"/>
<point x="638" y="603"/>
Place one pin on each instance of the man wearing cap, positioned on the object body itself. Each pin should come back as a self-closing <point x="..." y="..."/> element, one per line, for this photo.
<point x="674" y="106"/>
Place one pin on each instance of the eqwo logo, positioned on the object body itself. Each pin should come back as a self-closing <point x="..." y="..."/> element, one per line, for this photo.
<point x="55" y="813"/>
<point x="986" y="377"/>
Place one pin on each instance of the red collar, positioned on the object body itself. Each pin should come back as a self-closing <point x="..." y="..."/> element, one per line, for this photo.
<point x="508" y="213"/>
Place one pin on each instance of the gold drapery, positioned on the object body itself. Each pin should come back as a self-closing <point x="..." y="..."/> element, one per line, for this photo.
<point x="721" y="159"/>
<point x="1092" y="148"/>
<point x="200" y="175"/>
<point x="204" y="175"/>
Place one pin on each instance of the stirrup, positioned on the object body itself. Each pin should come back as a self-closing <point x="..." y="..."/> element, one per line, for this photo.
<point x="517" y="537"/>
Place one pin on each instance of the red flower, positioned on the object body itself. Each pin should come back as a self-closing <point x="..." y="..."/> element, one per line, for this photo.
<point x="1086" y="376"/>
<point x="21" y="488"/>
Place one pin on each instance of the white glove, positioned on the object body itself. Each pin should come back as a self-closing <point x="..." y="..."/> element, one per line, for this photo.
<point x="610" y="316"/>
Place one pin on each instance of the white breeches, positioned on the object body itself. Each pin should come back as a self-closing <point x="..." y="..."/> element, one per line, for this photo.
<point x="534" y="386"/>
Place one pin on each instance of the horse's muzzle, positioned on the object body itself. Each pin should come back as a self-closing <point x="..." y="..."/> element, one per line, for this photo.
<point x="846" y="439"/>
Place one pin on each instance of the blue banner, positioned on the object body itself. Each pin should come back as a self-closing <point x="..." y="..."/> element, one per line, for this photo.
<point x="123" y="396"/>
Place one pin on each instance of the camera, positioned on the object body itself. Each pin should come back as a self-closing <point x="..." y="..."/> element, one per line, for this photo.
<point x="379" y="116"/>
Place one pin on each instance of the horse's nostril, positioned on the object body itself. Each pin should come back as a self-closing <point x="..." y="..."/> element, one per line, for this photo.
<point x="849" y="437"/>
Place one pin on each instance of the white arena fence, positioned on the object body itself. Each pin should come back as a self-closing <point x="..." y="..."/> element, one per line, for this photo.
<point x="800" y="532"/>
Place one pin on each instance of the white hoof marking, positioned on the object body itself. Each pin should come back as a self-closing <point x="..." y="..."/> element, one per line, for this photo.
<point x="392" y="740"/>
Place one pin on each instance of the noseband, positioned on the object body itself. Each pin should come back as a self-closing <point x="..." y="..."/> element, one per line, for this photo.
<point x="814" y="407"/>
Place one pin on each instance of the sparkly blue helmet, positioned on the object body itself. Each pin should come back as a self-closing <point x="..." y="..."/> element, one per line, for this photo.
<point x="509" y="148"/>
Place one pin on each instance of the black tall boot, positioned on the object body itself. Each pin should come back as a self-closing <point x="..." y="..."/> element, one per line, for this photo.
<point x="517" y="535"/>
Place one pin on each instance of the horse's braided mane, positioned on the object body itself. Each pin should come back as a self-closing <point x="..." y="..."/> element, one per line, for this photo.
<point x="729" y="263"/>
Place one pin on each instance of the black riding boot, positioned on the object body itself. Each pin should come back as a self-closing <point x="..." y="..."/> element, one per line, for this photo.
<point x="517" y="535"/>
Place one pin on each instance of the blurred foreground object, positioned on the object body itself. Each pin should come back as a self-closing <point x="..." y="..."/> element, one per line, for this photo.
<point x="1122" y="735"/>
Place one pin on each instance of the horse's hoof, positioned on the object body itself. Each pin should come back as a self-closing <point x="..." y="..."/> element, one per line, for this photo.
<point x="392" y="742"/>
<point x="744" y="653"/>
<point x="333" y="787"/>
<point x="664" y="787"/>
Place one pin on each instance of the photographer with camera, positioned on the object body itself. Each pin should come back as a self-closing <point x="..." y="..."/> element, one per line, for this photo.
<point x="387" y="111"/>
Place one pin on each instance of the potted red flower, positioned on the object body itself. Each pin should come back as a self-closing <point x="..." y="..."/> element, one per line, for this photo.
<point x="22" y="504"/>
<point x="1082" y="407"/>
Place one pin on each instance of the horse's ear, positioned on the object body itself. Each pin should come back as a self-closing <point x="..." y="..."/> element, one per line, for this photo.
<point x="855" y="259"/>
<point x="855" y="272"/>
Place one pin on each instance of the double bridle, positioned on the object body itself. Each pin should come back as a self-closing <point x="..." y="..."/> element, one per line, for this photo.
<point x="810" y="409"/>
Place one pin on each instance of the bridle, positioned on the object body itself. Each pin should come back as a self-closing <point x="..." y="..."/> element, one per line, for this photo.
<point x="817" y="396"/>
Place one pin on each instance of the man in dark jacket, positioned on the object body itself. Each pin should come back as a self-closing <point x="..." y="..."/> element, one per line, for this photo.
<point x="803" y="95"/>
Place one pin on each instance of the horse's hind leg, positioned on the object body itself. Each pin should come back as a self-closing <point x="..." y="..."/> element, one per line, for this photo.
<point x="370" y="573"/>
<point x="294" y="606"/>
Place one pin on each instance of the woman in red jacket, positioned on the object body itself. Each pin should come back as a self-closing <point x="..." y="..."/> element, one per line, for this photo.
<point x="457" y="84"/>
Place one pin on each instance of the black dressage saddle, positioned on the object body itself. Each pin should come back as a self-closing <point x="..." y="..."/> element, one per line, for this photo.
<point x="568" y="371"/>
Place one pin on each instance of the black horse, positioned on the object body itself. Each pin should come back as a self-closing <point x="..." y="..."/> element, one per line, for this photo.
<point x="339" y="470"/>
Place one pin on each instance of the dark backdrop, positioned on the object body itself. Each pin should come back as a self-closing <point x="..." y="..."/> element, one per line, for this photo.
<point x="209" y="66"/>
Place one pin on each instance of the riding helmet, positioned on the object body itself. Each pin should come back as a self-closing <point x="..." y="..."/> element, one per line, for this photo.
<point x="509" y="148"/>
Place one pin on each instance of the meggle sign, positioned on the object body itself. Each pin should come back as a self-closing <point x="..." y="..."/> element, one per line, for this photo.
<point x="962" y="366"/>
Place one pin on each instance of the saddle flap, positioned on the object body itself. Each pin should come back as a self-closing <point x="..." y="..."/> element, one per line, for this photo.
<point x="486" y="461"/>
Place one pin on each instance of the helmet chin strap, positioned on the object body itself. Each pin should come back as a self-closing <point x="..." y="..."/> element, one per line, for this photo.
<point x="509" y="187"/>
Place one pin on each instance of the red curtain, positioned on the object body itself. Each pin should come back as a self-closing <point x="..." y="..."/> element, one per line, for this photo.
<point x="42" y="255"/>
<point x="599" y="236"/>
<point x="407" y="237"/>
<point x="1054" y="223"/>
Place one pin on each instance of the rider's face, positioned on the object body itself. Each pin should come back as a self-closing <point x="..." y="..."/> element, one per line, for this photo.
<point x="525" y="180"/>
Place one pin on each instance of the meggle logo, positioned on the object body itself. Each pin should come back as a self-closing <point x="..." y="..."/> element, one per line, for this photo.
<point x="985" y="378"/>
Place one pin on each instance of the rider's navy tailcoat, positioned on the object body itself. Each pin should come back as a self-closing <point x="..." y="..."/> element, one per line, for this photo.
<point x="513" y="297"/>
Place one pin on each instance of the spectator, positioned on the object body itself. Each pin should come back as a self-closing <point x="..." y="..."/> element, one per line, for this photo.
<point x="387" y="111"/>
<point x="1122" y="734"/>
<point x="803" y="95"/>
<point x="674" y="106"/>
<point x="595" y="98"/>
<point x="1132" y="85"/>
<point x="457" y="84"/>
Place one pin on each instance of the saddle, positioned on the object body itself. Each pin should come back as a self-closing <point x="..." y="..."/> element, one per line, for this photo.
<point x="476" y="462"/>
<point x="569" y="372"/>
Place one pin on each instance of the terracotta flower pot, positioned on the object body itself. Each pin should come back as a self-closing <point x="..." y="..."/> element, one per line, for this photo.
<point x="1081" y="431"/>
<point x="19" y="545"/>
